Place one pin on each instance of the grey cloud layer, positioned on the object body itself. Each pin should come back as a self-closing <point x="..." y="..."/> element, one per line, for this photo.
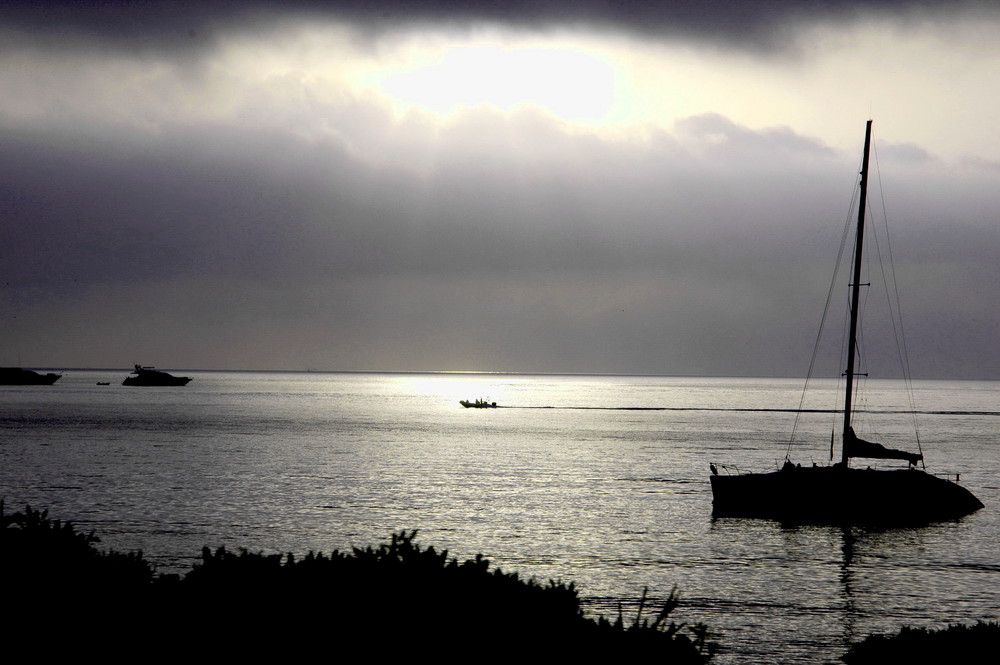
<point x="171" y="24"/>
<point x="315" y="232"/>
<point x="708" y="258"/>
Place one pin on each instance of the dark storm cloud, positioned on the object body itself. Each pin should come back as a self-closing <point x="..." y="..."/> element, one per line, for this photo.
<point x="250" y="203"/>
<point x="181" y="24"/>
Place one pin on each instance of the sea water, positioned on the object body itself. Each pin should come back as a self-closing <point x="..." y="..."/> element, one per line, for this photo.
<point x="602" y="481"/>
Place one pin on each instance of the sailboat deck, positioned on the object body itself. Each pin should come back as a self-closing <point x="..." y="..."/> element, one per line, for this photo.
<point x="835" y="494"/>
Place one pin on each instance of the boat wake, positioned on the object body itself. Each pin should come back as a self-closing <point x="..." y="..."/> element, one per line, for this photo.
<point x="752" y="410"/>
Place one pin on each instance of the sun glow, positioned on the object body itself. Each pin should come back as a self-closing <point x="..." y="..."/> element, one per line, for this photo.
<point x="453" y="386"/>
<point x="562" y="79"/>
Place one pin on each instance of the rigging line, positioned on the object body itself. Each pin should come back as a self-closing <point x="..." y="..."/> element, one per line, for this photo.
<point x="860" y="353"/>
<point x="845" y="325"/>
<point x="826" y="311"/>
<point x="860" y="396"/>
<point x="894" y="294"/>
<point x="861" y="348"/>
<point x="900" y="336"/>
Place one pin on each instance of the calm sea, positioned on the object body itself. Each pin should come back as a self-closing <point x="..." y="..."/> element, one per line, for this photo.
<point x="602" y="481"/>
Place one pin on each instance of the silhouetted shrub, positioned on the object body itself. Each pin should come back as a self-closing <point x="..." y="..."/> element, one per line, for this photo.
<point x="954" y="644"/>
<point x="40" y="555"/>
<point x="417" y="596"/>
<point x="397" y="596"/>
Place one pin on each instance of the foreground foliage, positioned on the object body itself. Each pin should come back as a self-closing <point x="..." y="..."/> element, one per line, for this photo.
<point x="396" y="600"/>
<point x="954" y="644"/>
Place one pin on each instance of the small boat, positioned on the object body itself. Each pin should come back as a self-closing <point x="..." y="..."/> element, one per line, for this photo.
<point x="15" y="376"/>
<point x="837" y="493"/>
<point x="104" y="383"/>
<point x="478" y="404"/>
<point x="150" y="376"/>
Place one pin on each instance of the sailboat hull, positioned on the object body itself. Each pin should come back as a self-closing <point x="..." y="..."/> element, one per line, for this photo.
<point x="838" y="495"/>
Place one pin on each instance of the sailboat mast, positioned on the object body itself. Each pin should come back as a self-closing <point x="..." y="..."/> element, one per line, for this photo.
<point x="852" y="344"/>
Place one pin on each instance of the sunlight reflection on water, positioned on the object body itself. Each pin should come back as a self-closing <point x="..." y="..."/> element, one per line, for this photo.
<point x="568" y="480"/>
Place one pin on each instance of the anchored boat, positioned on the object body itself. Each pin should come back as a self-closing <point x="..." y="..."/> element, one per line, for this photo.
<point x="150" y="376"/>
<point x="15" y="376"/>
<point x="838" y="493"/>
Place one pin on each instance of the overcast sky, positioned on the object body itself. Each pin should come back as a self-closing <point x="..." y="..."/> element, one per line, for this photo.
<point x="593" y="187"/>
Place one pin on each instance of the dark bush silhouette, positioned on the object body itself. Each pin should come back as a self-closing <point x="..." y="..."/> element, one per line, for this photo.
<point x="47" y="556"/>
<point x="954" y="644"/>
<point x="397" y="598"/>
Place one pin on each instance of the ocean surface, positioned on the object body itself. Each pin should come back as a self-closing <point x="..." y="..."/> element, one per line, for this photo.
<point x="602" y="481"/>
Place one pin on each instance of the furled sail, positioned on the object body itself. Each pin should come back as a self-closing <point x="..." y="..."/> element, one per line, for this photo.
<point x="856" y="447"/>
